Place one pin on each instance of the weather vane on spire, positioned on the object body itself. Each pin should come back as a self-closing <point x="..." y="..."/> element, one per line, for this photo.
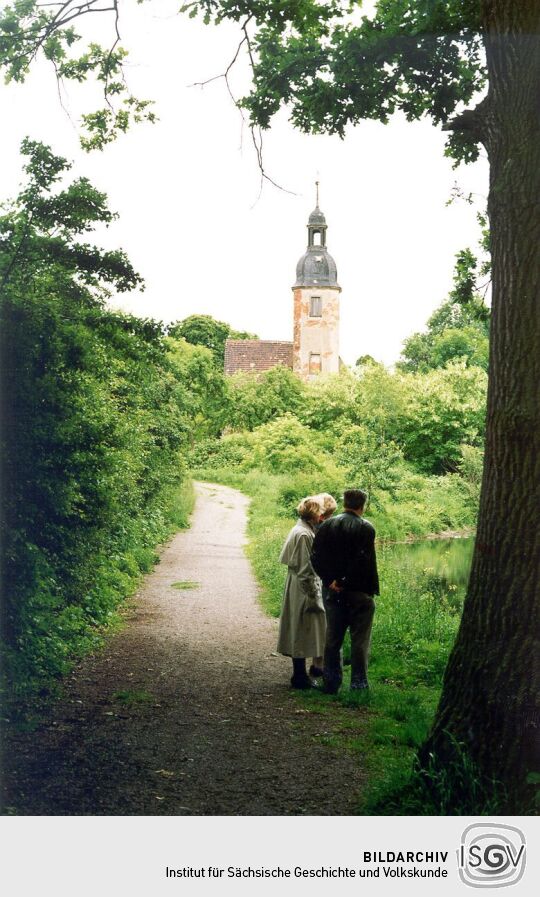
<point x="317" y="189"/>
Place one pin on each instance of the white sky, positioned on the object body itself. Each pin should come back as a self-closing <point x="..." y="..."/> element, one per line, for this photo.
<point x="186" y="191"/>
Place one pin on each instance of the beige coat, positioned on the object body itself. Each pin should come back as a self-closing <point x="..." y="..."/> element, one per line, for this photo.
<point x="301" y="632"/>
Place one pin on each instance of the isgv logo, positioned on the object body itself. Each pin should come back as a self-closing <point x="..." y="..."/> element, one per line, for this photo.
<point x="491" y="855"/>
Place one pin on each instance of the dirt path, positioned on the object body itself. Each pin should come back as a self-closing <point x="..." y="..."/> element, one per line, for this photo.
<point x="187" y="711"/>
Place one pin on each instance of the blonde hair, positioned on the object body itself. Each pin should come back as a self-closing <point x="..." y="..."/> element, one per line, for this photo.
<point x="327" y="503"/>
<point x="310" y="508"/>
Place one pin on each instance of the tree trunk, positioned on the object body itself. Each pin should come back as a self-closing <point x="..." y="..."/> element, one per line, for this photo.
<point x="489" y="702"/>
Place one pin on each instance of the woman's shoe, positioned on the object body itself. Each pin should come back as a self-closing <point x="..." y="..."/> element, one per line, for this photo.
<point x="302" y="682"/>
<point x="316" y="672"/>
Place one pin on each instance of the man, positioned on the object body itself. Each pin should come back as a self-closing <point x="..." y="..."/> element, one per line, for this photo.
<point x="343" y="555"/>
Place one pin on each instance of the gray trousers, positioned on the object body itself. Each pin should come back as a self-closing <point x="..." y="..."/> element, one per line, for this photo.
<point x="353" y="610"/>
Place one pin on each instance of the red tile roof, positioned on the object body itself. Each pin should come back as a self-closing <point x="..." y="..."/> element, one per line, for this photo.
<point x="256" y="355"/>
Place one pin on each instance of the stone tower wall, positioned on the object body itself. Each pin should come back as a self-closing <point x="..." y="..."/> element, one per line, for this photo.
<point x="316" y="335"/>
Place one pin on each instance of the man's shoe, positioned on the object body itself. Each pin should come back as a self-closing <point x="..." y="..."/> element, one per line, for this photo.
<point x="316" y="672"/>
<point x="359" y="685"/>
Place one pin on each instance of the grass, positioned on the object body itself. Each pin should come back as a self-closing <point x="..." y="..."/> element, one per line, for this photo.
<point x="185" y="585"/>
<point x="179" y="507"/>
<point x="415" y="624"/>
<point x="132" y="697"/>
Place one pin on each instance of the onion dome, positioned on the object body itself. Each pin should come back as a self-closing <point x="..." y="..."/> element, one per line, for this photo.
<point x="316" y="268"/>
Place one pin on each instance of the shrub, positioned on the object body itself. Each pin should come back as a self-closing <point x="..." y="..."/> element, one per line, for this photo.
<point x="445" y="408"/>
<point x="97" y="419"/>
<point x="257" y="399"/>
<point x="369" y="461"/>
<point x="470" y="470"/>
<point x="284" y="445"/>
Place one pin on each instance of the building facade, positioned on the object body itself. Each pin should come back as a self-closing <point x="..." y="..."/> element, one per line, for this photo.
<point x="315" y="346"/>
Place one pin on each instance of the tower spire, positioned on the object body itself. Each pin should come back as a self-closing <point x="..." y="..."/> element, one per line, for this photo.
<point x="316" y="303"/>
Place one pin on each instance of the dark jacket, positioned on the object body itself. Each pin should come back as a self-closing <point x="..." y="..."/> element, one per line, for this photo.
<point x="344" y="550"/>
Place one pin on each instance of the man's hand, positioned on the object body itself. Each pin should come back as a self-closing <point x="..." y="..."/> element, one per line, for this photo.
<point x="335" y="586"/>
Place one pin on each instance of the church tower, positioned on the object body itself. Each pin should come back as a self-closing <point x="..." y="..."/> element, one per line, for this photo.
<point x="316" y="305"/>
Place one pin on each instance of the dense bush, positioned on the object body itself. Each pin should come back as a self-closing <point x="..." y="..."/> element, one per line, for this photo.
<point x="330" y="401"/>
<point x="199" y="388"/>
<point x="368" y="459"/>
<point x="470" y="469"/>
<point x="395" y="435"/>
<point x="284" y="445"/>
<point x="255" y="400"/>
<point x="97" y="412"/>
<point x="445" y="409"/>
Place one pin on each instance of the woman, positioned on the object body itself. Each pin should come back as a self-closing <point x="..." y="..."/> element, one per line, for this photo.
<point x="302" y="624"/>
<point x="328" y="505"/>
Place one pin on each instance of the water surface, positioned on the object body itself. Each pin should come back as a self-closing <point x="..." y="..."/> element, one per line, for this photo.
<point x="449" y="560"/>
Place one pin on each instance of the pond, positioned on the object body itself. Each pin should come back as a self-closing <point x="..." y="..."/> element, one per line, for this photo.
<point x="448" y="559"/>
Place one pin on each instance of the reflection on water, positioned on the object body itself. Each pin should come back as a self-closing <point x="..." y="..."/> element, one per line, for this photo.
<point x="448" y="559"/>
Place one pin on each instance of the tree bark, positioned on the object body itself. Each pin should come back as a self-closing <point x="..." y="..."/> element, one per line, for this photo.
<point x="489" y="702"/>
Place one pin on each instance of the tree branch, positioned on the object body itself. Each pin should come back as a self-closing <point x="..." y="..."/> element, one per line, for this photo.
<point x="256" y="132"/>
<point x="225" y="74"/>
<point x="471" y="121"/>
<point x="111" y="51"/>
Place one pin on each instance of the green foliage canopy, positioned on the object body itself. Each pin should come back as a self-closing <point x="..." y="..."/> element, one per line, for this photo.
<point x="329" y="63"/>
<point x="459" y="328"/>
<point x="369" y="460"/>
<point x="200" y="386"/>
<point x="444" y="409"/>
<point x="255" y="400"/>
<point x="203" y="330"/>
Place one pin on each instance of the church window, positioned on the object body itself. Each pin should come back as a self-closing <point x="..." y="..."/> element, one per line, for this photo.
<point x="314" y="363"/>
<point x="317" y="238"/>
<point x="315" y="307"/>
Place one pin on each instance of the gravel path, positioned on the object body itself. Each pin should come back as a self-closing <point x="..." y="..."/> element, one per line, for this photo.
<point x="187" y="710"/>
